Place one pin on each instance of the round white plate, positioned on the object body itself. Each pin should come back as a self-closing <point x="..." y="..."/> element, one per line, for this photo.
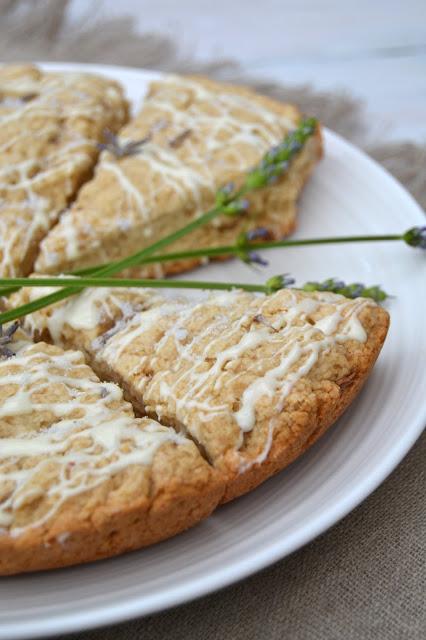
<point x="349" y="194"/>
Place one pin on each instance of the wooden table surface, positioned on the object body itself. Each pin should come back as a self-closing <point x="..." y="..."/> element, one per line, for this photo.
<point x="375" y="49"/>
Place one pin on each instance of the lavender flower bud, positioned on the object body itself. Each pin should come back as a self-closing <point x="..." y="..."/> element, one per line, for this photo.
<point x="336" y="284"/>
<point x="354" y="290"/>
<point x="260" y="233"/>
<point x="236" y="207"/>
<point x="271" y="156"/>
<point x="376" y="293"/>
<point x="416" y="237"/>
<point x="279" y="282"/>
<point x="5" y="339"/>
<point x="224" y="194"/>
<point x="255" y="258"/>
<point x="256" y="179"/>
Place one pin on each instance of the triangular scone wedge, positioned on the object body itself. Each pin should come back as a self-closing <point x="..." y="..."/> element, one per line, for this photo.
<point x="199" y="135"/>
<point x="254" y="380"/>
<point x="80" y="477"/>
<point x="50" y="124"/>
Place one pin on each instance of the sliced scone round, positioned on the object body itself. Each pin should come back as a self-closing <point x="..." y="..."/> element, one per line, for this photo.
<point x="80" y="477"/>
<point x="254" y="380"/>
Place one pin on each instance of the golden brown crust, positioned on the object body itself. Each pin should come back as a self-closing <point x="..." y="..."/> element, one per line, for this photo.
<point x="313" y="404"/>
<point x="89" y="501"/>
<point x="152" y="355"/>
<point x="338" y="398"/>
<point x="183" y="487"/>
<point x="113" y="530"/>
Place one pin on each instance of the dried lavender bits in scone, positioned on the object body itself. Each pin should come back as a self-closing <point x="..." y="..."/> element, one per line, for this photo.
<point x="254" y="380"/>
<point x="80" y="477"/>
<point x="50" y="124"/>
<point x="194" y="136"/>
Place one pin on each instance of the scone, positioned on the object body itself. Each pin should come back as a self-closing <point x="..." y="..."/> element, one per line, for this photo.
<point x="253" y="380"/>
<point x="50" y="124"/>
<point x="198" y="136"/>
<point x="80" y="477"/>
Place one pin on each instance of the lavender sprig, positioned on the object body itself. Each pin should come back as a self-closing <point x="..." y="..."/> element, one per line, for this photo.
<point x="354" y="290"/>
<point x="244" y="247"/>
<point x="228" y="201"/>
<point x="248" y="243"/>
<point x="271" y="286"/>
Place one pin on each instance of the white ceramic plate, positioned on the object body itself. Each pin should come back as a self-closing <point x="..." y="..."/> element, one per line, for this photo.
<point x="348" y="194"/>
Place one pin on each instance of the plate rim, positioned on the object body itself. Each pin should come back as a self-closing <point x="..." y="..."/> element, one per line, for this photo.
<point x="99" y="615"/>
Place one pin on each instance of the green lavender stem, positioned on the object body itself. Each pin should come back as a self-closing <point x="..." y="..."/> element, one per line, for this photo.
<point x="80" y="283"/>
<point x="274" y="164"/>
<point x="235" y="249"/>
<point x="273" y="284"/>
<point x="224" y="250"/>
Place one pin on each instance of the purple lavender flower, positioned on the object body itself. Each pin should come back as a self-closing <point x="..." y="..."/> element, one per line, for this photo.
<point x="5" y="339"/>
<point x="260" y="233"/>
<point x="354" y="290"/>
<point x="121" y="149"/>
<point x="235" y="207"/>
<point x="279" y="282"/>
<point x="255" y="258"/>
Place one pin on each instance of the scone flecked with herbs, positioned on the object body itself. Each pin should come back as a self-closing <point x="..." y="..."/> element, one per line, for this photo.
<point x="50" y="124"/>
<point x="80" y="477"/>
<point x="197" y="136"/>
<point x="254" y="380"/>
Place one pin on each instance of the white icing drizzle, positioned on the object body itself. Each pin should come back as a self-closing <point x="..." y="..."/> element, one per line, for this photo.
<point x="29" y="200"/>
<point x="86" y="311"/>
<point x="86" y="440"/>
<point x="203" y="366"/>
<point x="160" y="172"/>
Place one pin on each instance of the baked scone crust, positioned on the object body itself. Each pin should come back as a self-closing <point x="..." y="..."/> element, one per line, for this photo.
<point x="151" y="354"/>
<point x="200" y="135"/>
<point x="333" y="401"/>
<point x="50" y="124"/>
<point x="73" y="491"/>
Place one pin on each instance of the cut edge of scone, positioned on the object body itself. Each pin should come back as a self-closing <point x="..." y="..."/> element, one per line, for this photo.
<point x="131" y="201"/>
<point x="81" y="478"/>
<point x="353" y="332"/>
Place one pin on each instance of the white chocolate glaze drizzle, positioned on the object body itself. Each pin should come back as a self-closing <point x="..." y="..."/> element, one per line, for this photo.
<point x="44" y="154"/>
<point x="54" y="449"/>
<point x="228" y="133"/>
<point x="277" y="352"/>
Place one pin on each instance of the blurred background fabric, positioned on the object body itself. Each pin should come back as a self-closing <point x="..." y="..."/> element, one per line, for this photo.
<point x="361" y="68"/>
